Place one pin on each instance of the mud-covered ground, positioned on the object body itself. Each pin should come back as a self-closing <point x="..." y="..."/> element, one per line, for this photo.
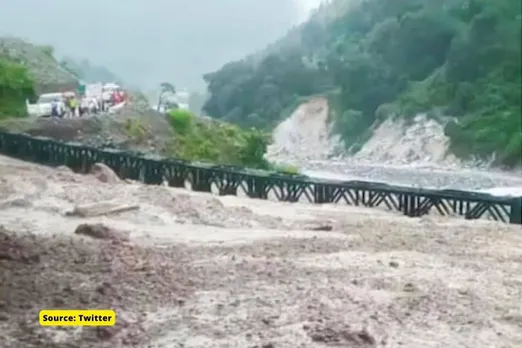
<point x="194" y="270"/>
<point x="134" y="127"/>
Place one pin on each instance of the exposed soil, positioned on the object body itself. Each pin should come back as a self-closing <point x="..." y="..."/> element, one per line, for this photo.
<point x="135" y="127"/>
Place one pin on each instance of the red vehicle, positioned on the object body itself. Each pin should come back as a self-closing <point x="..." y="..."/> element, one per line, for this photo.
<point x="116" y="98"/>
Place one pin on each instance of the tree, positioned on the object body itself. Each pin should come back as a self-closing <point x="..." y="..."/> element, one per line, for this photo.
<point x="166" y="88"/>
<point x="16" y="86"/>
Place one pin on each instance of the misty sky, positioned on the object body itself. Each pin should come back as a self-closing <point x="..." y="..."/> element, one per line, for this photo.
<point x="148" y="41"/>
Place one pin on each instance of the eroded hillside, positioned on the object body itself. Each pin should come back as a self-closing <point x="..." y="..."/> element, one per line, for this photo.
<point x="414" y="152"/>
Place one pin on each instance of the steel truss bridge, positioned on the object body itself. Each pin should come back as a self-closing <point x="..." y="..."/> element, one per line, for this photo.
<point x="412" y="202"/>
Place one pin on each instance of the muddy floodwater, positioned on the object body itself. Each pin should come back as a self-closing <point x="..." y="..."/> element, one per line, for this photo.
<point x="195" y="270"/>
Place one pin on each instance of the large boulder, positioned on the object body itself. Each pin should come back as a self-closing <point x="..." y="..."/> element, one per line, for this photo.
<point x="101" y="231"/>
<point x="104" y="174"/>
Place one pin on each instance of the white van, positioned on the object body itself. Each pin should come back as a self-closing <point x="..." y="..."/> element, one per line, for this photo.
<point x="44" y="105"/>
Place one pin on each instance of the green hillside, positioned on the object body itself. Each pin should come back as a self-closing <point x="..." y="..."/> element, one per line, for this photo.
<point x="39" y="60"/>
<point x="27" y="70"/>
<point x="377" y="58"/>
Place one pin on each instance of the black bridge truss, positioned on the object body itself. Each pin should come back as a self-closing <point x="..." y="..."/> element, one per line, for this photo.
<point x="413" y="202"/>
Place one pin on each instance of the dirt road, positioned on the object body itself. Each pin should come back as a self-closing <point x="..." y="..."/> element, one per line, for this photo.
<point x="193" y="270"/>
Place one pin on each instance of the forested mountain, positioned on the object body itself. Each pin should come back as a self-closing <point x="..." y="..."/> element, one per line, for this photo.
<point x="377" y="58"/>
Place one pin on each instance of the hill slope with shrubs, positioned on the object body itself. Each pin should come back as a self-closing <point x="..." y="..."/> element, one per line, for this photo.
<point x="25" y="71"/>
<point x="208" y="140"/>
<point x="47" y="74"/>
<point x="457" y="60"/>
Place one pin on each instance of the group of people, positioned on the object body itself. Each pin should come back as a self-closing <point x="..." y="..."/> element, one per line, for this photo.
<point x="76" y="106"/>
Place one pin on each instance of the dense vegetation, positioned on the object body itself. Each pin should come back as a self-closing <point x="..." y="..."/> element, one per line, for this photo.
<point x="16" y="85"/>
<point x="458" y="58"/>
<point x="40" y="61"/>
<point x="26" y="70"/>
<point x="207" y="140"/>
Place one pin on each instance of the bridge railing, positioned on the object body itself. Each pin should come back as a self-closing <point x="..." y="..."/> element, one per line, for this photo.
<point x="260" y="184"/>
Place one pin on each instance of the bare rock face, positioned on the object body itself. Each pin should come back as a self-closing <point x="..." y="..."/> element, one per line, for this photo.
<point x="104" y="174"/>
<point x="305" y="135"/>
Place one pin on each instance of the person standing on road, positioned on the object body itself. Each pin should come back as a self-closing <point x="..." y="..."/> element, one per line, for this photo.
<point x="74" y="106"/>
<point x="106" y="99"/>
<point x="83" y="107"/>
<point x="55" y="113"/>
<point x="67" y="106"/>
<point x="93" y="106"/>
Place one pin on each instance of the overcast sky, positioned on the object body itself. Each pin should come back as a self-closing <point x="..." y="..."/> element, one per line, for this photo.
<point x="148" y="41"/>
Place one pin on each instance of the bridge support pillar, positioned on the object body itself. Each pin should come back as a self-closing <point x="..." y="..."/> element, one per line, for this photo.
<point x="228" y="191"/>
<point x="409" y="205"/>
<point x="320" y="195"/>
<point x="516" y="211"/>
<point x="201" y="186"/>
<point x="177" y="181"/>
<point x="256" y="189"/>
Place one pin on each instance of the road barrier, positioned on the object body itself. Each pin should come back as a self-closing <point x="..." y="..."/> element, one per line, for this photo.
<point x="411" y="202"/>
